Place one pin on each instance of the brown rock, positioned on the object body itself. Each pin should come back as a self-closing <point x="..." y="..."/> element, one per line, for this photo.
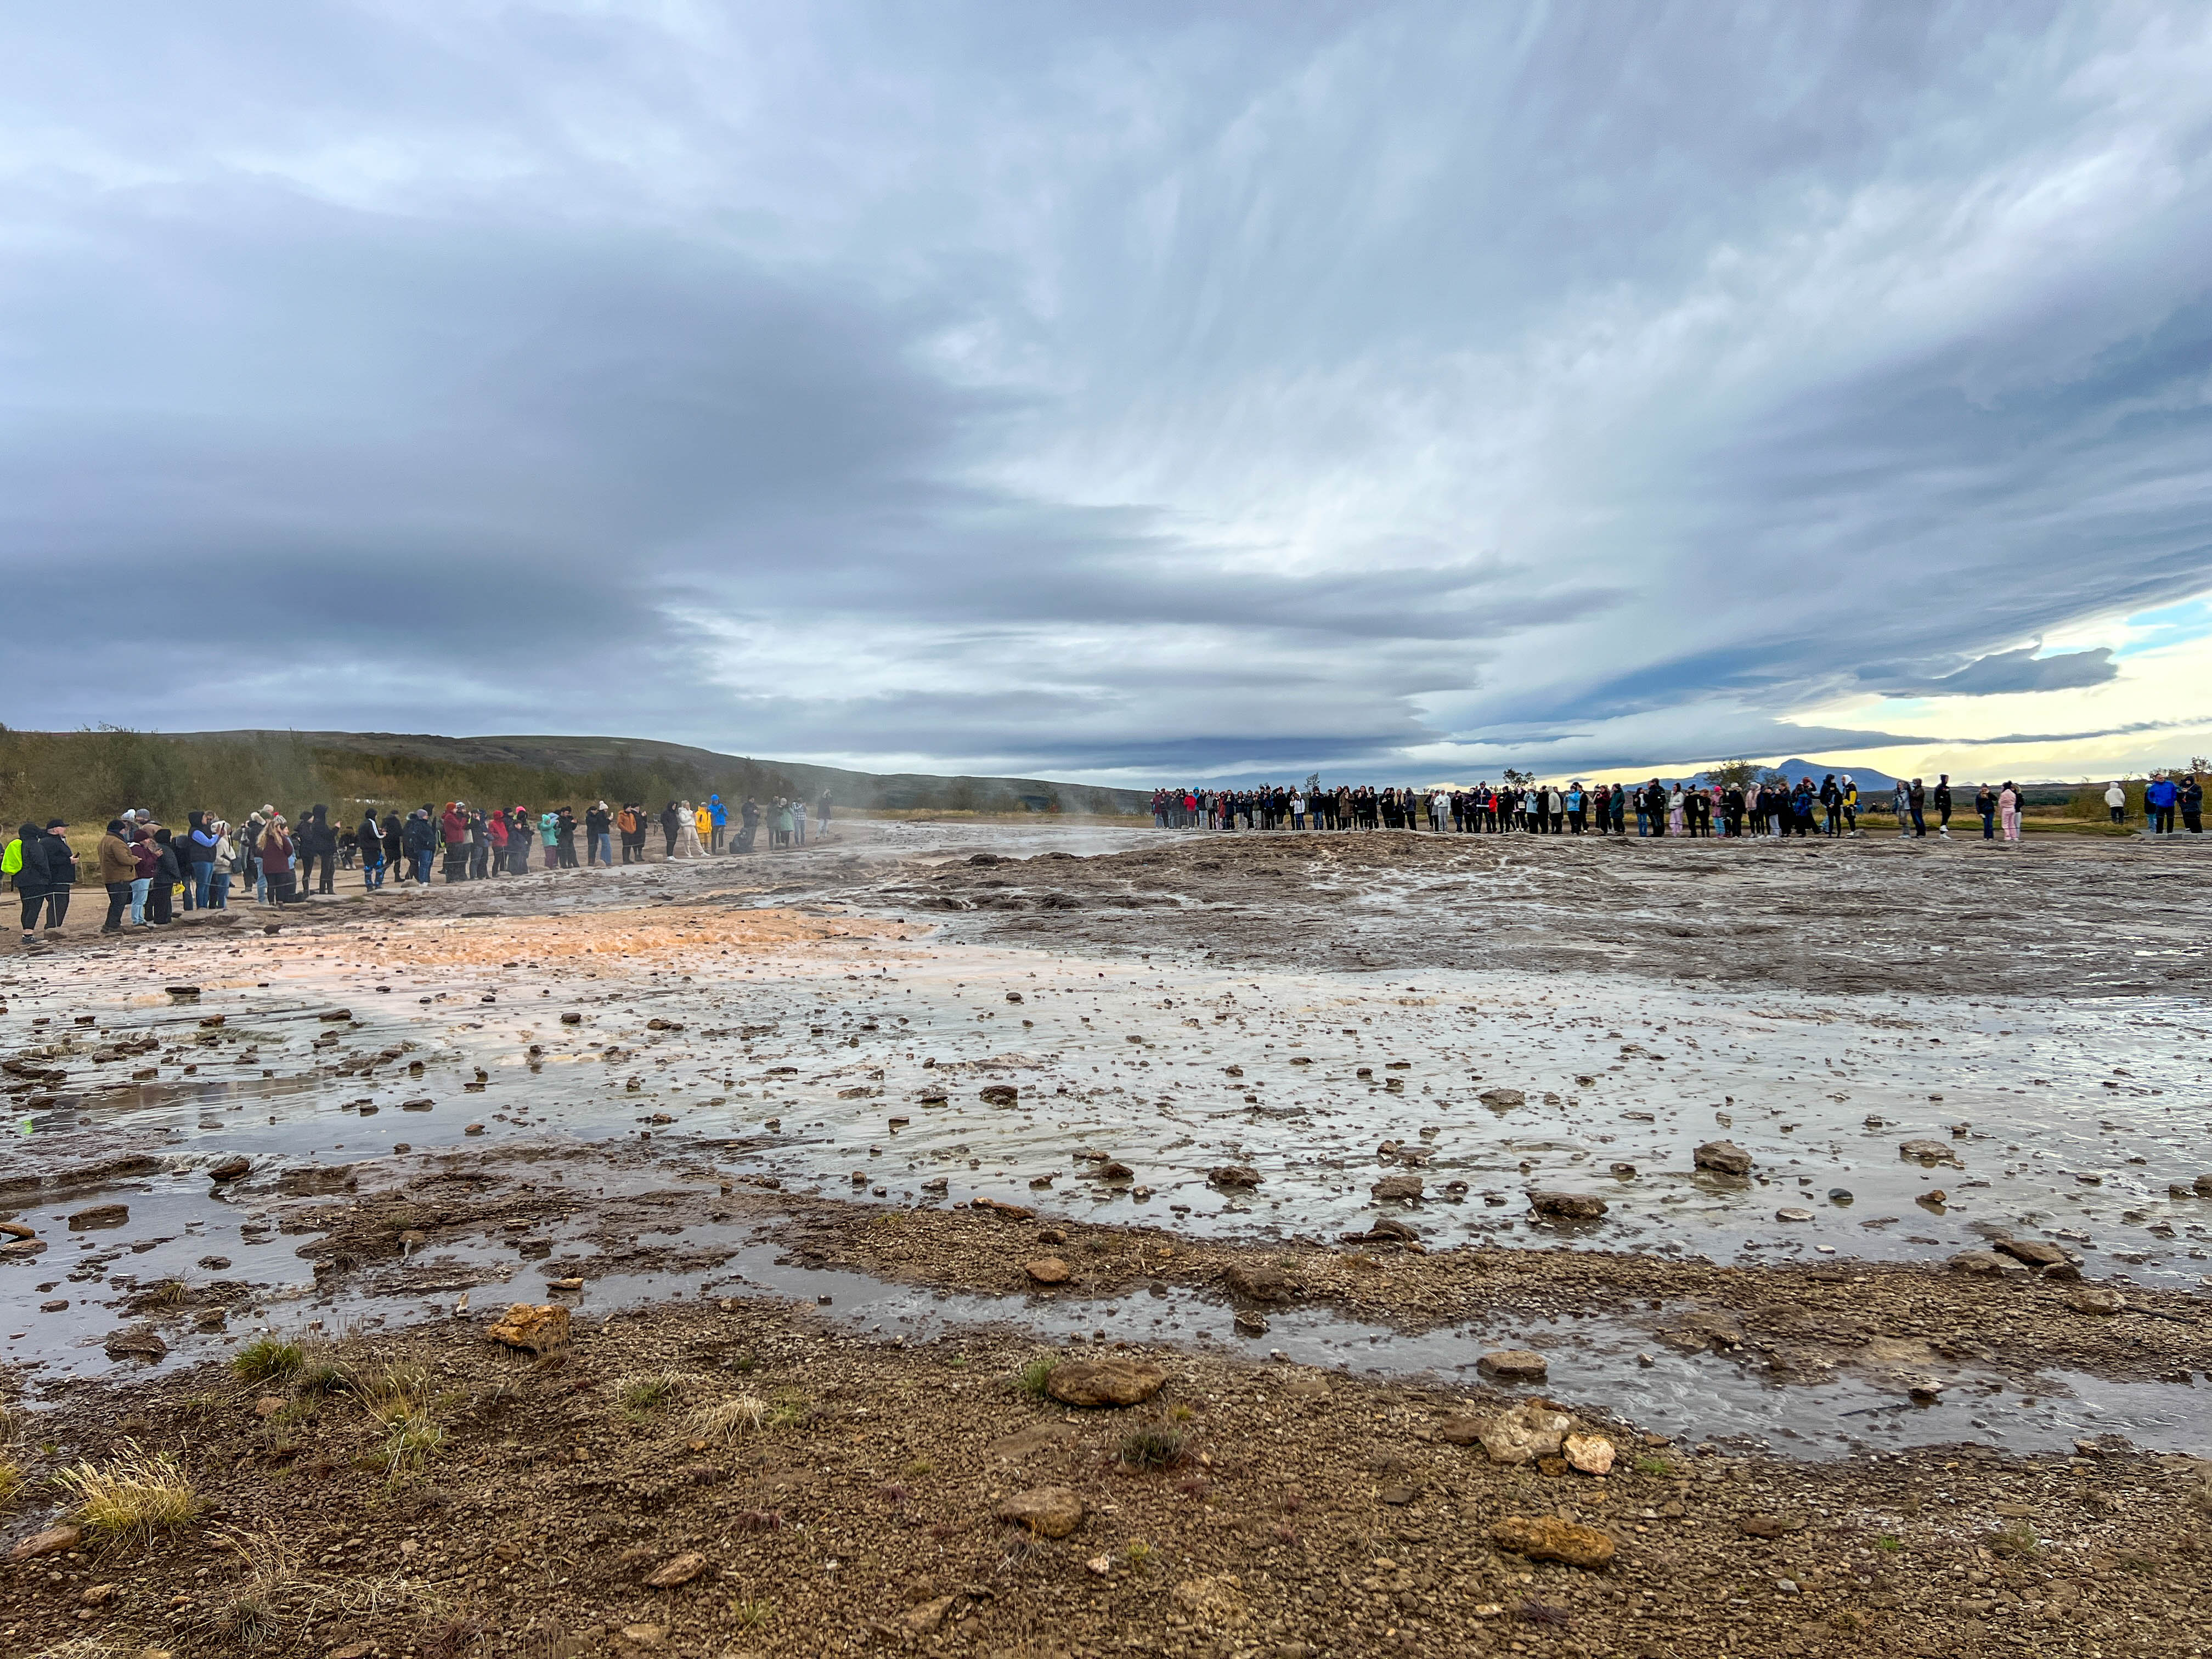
<point x="230" y="1169"/>
<point x="1010" y="1211"/>
<point x="645" y="1636"/>
<point x="1233" y="1175"/>
<point x="2036" y="1252"/>
<point x="1591" y="1453"/>
<point x="1513" y="1365"/>
<point x="1048" y="1511"/>
<point x="100" y="1215"/>
<point x="17" y="1229"/>
<point x="1258" y="1282"/>
<point x="136" y="1342"/>
<point x="1723" y="1158"/>
<point x="1217" y="1602"/>
<point x="52" y="1542"/>
<point x="1979" y="1261"/>
<point x="1502" y="1100"/>
<point x="999" y="1094"/>
<point x="268" y="1406"/>
<point x="1551" y="1537"/>
<point x="1104" y="1381"/>
<point x="1048" y="1270"/>
<point x="1928" y="1151"/>
<point x="929" y="1615"/>
<point x="1391" y="1187"/>
<point x="677" y="1570"/>
<point x="537" y="1330"/>
<point x="1568" y="1207"/>
<point x="1116" y="1170"/>
<point x="1462" y="1429"/>
<point x="2096" y="1299"/>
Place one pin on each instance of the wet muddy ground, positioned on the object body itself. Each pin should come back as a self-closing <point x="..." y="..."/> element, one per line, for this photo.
<point x="1360" y="1107"/>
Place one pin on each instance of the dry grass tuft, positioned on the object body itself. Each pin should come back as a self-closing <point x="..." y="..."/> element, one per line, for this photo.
<point x="139" y="1491"/>
<point x="730" y="1419"/>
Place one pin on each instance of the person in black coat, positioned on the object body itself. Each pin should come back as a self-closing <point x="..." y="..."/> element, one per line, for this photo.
<point x="167" y="872"/>
<point x="319" y="850"/>
<point x="670" y="819"/>
<point x="368" y="840"/>
<point x="420" y="837"/>
<point x="49" y="872"/>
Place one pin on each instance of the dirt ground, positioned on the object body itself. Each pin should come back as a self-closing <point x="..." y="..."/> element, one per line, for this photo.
<point x="718" y="1467"/>
<point x="1876" y="914"/>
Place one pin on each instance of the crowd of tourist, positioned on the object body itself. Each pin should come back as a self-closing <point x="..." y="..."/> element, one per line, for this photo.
<point x="1772" y="809"/>
<point x="150" y="871"/>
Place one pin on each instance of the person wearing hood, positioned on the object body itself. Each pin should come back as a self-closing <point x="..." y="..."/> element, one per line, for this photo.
<point x="44" y="869"/>
<point x="317" y="845"/>
<point x="671" y="821"/>
<point x="369" y="838"/>
<point x="420" y="838"/>
<point x="168" y="876"/>
<point x="749" y="816"/>
<point x="454" y="837"/>
<point x="717" y="818"/>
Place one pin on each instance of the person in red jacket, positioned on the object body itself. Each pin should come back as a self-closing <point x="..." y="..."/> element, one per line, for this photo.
<point x="495" y="832"/>
<point x="453" y="831"/>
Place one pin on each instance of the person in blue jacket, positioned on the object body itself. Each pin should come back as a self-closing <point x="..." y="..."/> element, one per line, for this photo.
<point x="2159" y="800"/>
<point x="717" y="816"/>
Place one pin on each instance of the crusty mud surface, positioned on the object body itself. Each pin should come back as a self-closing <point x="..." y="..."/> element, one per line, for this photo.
<point x="823" y="1160"/>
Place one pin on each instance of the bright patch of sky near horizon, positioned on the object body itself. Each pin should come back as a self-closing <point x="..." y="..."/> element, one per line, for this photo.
<point x="1398" y="391"/>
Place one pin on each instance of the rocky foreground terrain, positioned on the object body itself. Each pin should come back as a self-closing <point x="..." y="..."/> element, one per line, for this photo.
<point x="603" y="1390"/>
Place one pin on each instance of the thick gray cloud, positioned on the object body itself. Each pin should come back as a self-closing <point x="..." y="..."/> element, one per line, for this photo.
<point x="2004" y="672"/>
<point x="1132" y="393"/>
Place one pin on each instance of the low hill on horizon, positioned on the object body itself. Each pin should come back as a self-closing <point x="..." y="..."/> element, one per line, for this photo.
<point x="91" y="775"/>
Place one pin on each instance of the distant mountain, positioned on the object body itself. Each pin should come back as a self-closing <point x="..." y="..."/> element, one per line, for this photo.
<point x="1795" y="767"/>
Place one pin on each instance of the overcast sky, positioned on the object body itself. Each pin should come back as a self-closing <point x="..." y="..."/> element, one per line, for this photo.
<point x="1133" y="393"/>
